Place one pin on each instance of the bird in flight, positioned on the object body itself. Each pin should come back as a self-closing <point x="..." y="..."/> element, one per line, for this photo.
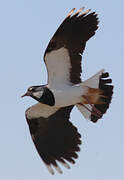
<point x="56" y="139"/>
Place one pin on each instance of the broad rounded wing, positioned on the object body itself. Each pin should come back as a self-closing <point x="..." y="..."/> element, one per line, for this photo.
<point x="64" y="52"/>
<point x="55" y="137"/>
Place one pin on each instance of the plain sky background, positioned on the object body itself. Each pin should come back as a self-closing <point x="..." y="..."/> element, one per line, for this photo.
<point x="26" y="26"/>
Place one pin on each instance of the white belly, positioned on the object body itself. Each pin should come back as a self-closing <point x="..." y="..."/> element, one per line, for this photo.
<point x="68" y="95"/>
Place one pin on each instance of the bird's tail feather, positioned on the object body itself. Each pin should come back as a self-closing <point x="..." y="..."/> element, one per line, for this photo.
<point x="98" y="98"/>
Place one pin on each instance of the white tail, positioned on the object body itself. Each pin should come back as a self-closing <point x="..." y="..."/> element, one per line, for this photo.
<point x="93" y="81"/>
<point x="86" y="113"/>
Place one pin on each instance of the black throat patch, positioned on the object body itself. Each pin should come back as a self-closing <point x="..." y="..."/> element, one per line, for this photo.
<point x="47" y="97"/>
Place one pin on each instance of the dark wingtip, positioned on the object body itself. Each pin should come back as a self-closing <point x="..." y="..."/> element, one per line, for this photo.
<point x="107" y="88"/>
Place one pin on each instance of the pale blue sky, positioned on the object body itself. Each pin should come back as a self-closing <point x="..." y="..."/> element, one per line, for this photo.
<point x="26" y="26"/>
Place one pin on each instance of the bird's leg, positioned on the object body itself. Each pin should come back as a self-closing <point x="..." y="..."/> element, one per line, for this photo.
<point x="91" y="111"/>
<point x="94" y="110"/>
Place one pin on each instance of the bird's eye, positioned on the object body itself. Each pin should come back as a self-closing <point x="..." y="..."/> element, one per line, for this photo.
<point x="30" y="89"/>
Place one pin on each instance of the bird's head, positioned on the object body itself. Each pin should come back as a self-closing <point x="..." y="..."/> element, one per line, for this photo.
<point x="35" y="92"/>
<point x="42" y="94"/>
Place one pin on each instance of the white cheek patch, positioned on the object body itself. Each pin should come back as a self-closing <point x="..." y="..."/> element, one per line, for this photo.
<point x="38" y="94"/>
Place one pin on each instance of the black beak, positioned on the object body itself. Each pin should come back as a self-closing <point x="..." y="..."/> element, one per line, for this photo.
<point x="26" y="94"/>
